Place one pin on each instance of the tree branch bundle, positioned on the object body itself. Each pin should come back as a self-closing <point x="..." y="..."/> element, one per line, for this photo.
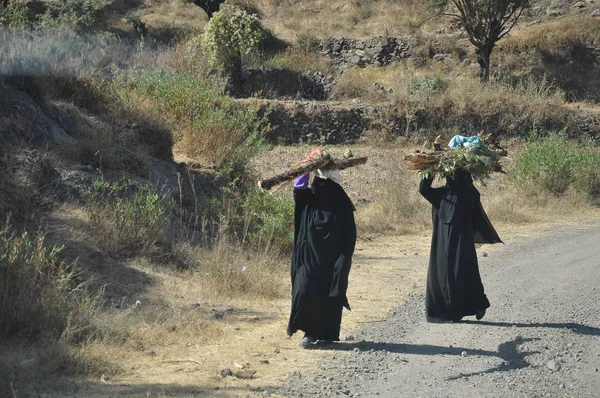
<point x="479" y="161"/>
<point x="323" y="163"/>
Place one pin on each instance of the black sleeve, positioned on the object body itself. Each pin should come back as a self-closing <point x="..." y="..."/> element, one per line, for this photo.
<point x="483" y="230"/>
<point x="303" y="197"/>
<point x="433" y="195"/>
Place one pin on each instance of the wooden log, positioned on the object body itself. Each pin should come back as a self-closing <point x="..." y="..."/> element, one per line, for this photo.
<point x="305" y="168"/>
<point x="341" y="164"/>
<point x="280" y="178"/>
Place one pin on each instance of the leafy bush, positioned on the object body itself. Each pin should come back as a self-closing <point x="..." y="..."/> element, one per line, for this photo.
<point x="479" y="161"/>
<point x="555" y="163"/>
<point x="268" y="221"/>
<point x="125" y="215"/>
<point x="14" y="16"/>
<point x="425" y="86"/>
<point x="72" y="14"/>
<point x="231" y="33"/>
<point x="37" y="290"/>
<point x="247" y="5"/>
<point x="256" y="220"/>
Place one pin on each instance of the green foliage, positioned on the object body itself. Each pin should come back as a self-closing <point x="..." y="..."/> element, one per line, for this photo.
<point x="479" y="161"/>
<point x="420" y="91"/>
<point x="425" y="86"/>
<point x="230" y="33"/>
<point x="255" y="220"/>
<point x="126" y="216"/>
<point x="260" y="221"/>
<point x="208" y="124"/>
<point x="74" y="14"/>
<point x="37" y="289"/>
<point x="555" y="163"/>
<point x="268" y="220"/>
<point x="14" y="16"/>
<point x="247" y="5"/>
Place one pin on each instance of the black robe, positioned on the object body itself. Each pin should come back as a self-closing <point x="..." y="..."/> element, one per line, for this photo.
<point x="324" y="241"/>
<point x="454" y="287"/>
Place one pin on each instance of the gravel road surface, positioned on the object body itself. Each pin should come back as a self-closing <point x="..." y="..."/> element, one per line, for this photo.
<point x="540" y="338"/>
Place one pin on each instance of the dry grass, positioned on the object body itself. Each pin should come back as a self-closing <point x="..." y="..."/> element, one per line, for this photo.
<point x="397" y="206"/>
<point x="228" y="271"/>
<point x="173" y="319"/>
<point x="324" y="19"/>
<point x="433" y="103"/>
<point x="554" y="37"/>
<point x="177" y="15"/>
<point x="300" y="61"/>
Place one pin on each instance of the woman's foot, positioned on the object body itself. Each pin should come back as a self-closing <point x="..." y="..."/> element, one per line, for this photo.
<point x="439" y="320"/>
<point x="324" y="342"/>
<point x="307" y="341"/>
<point x="480" y="314"/>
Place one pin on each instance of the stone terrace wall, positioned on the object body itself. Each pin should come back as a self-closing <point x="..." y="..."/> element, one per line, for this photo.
<point x="332" y="123"/>
<point x="376" y="51"/>
<point x="326" y="123"/>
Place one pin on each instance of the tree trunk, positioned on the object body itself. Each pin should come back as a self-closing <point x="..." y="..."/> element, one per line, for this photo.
<point x="234" y="70"/>
<point x="483" y="59"/>
<point x="209" y="6"/>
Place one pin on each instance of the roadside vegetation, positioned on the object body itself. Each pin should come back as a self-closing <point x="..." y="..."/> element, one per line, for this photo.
<point x="123" y="228"/>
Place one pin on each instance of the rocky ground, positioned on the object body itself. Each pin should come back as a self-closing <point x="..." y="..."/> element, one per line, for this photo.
<point x="540" y="338"/>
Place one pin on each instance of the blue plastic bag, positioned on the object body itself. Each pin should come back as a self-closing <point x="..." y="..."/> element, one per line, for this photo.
<point x="459" y="142"/>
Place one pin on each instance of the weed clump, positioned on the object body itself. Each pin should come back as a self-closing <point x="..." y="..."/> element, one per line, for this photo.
<point x="555" y="164"/>
<point x="126" y="216"/>
<point x="39" y="293"/>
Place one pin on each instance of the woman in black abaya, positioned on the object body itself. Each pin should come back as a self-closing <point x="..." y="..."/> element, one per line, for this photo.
<point x="324" y="240"/>
<point x="454" y="287"/>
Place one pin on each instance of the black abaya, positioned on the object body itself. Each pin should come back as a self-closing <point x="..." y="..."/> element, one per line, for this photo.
<point x="454" y="287"/>
<point x="324" y="240"/>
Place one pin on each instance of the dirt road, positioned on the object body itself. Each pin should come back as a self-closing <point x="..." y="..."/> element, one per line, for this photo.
<point x="540" y="338"/>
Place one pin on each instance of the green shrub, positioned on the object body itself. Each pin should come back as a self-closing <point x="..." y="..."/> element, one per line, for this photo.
<point x="14" y="16"/>
<point x="72" y="14"/>
<point x="126" y="216"/>
<point x="207" y="124"/>
<point x="555" y="163"/>
<point x="268" y="221"/>
<point x="256" y="220"/>
<point x="230" y="37"/>
<point x="38" y="291"/>
<point x="422" y="87"/>
<point x="231" y="33"/>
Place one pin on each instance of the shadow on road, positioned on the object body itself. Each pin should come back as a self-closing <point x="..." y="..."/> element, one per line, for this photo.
<point x="509" y="352"/>
<point x="512" y="358"/>
<point x="574" y="327"/>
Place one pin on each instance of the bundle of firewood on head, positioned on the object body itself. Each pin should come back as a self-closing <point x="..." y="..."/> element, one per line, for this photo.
<point x="479" y="155"/>
<point x="318" y="159"/>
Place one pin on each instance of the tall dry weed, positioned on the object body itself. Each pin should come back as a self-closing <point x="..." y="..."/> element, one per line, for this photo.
<point x="554" y="37"/>
<point x="397" y="207"/>
<point x="40" y="295"/>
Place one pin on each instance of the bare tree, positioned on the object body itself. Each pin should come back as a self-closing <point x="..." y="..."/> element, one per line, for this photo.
<point x="209" y="6"/>
<point x="486" y="22"/>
